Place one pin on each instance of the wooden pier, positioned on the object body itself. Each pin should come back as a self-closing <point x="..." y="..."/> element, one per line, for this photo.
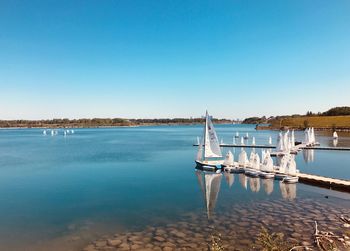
<point x="330" y="183"/>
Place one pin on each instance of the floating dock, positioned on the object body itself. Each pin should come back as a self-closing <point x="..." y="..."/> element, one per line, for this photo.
<point x="330" y="183"/>
<point x="297" y="147"/>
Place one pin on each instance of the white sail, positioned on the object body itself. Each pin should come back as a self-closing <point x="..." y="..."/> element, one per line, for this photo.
<point x="270" y="140"/>
<point x="256" y="162"/>
<point x="44" y="132"/>
<point x="291" y="166"/>
<point x="211" y="142"/>
<point x="335" y="135"/>
<point x="229" y="159"/>
<point x="212" y="188"/>
<point x="242" y="141"/>
<point x="313" y="138"/>
<point x="253" y="141"/>
<point x="307" y="136"/>
<point x="52" y="133"/>
<point x="283" y="164"/>
<point x="267" y="165"/>
<point x="198" y="141"/>
<point x="292" y="139"/>
<point x="285" y="141"/>
<point x="247" y="135"/>
<point x="280" y="145"/>
<point x="237" y="134"/>
<point x="200" y="152"/>
<point x="242" y="158"/>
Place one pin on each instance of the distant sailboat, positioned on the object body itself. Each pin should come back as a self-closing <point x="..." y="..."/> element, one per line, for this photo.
<point x="246" y="136"/>
<point x="237" y="135"/>
<point x="44" y="132"/>
<point x="253" y="141"/>
<point x="242" y="141"/>
<point x="72" y="131"/>
<point x="198" y="141"/>
<point x="270" y="140"/>
<point x="52" y="133"/>
<point x="292" y="139"/>
<point x="335" y="135"/>
<point x="211" y="153"/>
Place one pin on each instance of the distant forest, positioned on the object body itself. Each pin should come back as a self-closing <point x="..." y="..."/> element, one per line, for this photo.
<point x="102" y="122"/>
<point x="336" y="111"/>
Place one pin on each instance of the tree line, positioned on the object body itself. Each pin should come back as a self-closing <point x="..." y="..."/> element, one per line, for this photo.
<point x="101" y="122"/>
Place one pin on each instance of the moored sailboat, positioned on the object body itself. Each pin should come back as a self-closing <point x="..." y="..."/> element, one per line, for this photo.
<point x="209" y="154"/>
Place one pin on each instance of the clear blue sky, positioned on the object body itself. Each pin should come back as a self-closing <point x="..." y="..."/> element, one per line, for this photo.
<point x="163" y="58"/>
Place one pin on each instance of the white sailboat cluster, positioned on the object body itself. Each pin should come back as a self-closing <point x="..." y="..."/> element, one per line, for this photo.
<point x="310" y="139"/>
<point x="210" y="158"/>
<point x="285" y="143"/>
<point x="54" y="132"/>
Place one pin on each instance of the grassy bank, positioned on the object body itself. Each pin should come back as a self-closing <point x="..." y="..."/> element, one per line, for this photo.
<point x="302" y="122"/>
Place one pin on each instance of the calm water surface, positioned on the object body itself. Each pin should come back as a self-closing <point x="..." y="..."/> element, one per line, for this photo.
<point x="61" y="192"/>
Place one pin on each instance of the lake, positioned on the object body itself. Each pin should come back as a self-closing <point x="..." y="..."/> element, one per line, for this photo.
<point x="139" y="183"/>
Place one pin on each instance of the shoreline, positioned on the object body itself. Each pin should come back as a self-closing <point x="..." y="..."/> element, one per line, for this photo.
<point x="113" y="126"/>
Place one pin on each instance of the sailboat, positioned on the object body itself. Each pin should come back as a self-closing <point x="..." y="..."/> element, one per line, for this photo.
<point x="253" y="141"/>
<point x="44" y="132"/>
<point x="209" y="157"/>
<point x="335" y="135"/>
<point x="237" y="135"/>
<point x="246" y="136"/>
<point x="270" y="140"/>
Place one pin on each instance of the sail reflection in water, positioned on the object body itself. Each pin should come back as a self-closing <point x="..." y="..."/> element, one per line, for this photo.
<point x="230" y="178"/>
<point x="288" y="191"/>
<point x="243" y="180"/>
<point x="268" y="185"/>
<point x="309" y="155"/>
<point x="254" y="184"/>
<point x="210" y="186"/>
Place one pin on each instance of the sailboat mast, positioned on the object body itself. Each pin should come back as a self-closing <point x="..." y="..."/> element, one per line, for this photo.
<point x="205" y="133"/>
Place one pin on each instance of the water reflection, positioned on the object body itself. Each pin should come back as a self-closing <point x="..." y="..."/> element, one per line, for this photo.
<point x="309" y="155"/>
<point x="268" y="185"/>
<point x="243" y="180"/>
<point x="288" y="191"/>
<point x="254" y="184"/>
<point x="335" y="142"/>
<point x="230" y="178"/>
<point x="210" y="186"/>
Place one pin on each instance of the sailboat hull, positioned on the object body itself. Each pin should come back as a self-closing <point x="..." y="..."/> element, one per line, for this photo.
<point x="209" y="165"/>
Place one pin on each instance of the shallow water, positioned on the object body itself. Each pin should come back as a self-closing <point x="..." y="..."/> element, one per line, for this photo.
<point x="60" y="193"/>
